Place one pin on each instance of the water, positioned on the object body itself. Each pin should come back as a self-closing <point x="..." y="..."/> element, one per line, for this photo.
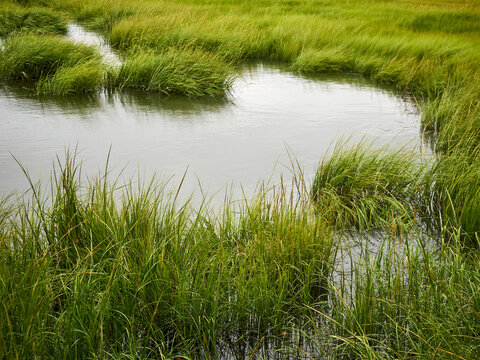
<point x="235" y="142"/>
<point x="239" y="140"/>
<point x="78" y="34"/>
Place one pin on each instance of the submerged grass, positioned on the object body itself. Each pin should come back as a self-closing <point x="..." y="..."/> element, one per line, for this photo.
<point x="130" y="271"/>
<point x="409" y="300"/>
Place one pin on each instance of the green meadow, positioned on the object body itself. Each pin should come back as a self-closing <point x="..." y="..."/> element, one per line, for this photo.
<point x="377" y="258"/>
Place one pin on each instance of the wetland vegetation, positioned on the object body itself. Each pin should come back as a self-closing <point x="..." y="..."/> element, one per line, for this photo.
<point x="97" y="269"/>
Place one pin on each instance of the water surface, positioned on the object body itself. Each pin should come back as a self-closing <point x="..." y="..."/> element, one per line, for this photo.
<point x="78" y="34"/>
<point x="241" y="140"/>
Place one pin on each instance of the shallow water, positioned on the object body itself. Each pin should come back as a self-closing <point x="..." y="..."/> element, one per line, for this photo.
<point x="78" y="34"/>
<point x="239" y="140"/>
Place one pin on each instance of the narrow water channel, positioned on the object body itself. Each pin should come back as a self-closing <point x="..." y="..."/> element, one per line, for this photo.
<point x="78" y="34"/>
<point x="238" y="140"/>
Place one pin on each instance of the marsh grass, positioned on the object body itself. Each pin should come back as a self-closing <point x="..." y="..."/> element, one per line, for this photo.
<point x="95" y="273"/>
<point x="31" y="20"/>
<point x="186" y="72"/>
<point x="409" y="300"/>
<point x="453" y="188"/>
<point x="365" y="187"/>
<point x="90" y="276"/>
<point x="58" y="67"/>
<point x="31" y="57"/>
<point x="82" y="78"/>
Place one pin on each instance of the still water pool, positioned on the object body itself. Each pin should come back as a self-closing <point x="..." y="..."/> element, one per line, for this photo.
<point x="239" y="140"/>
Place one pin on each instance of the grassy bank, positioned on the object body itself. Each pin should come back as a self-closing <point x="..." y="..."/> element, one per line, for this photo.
<point x="95" y="274"/>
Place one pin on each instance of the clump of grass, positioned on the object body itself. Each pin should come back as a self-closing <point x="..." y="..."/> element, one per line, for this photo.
<point x="31" y="20"/>
<point x="225" y="36"/>
<point x="363" y="187"/>
<point x="30" y="57"/>
<point x="186" y="72"/>
<point x="454" y="190"/>
<point x="81" y="78"/>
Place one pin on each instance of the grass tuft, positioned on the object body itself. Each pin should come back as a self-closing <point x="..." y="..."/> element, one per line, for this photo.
<point x="186" y="72"/>
<point x="31" y="57"/>
<point x="82" y="78"/>
<point x="31" y="20"/>
<point x="364" y="188"/>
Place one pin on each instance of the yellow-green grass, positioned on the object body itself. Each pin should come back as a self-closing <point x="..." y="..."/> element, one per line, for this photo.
<point x="31" y="57"/>
<point x="31" y="20"/>
<point x="186" y="72"/>
<point x="58" y="67"/>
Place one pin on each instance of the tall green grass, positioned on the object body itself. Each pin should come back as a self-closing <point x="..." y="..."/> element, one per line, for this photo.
<point x="409" y="300"/>
<point x="102" y="270"/>
<point x="99" y="271"/>
<point x="453" y="188"/>
<point x="364" y="188"/>
<point x="57" y="66"/>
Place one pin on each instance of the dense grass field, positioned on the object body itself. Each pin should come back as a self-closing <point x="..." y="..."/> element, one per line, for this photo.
<point x="100" y="270"/>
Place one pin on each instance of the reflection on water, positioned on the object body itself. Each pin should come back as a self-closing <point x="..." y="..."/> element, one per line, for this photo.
<point x="238" y="140"/>
<point x="132" y="100"/>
